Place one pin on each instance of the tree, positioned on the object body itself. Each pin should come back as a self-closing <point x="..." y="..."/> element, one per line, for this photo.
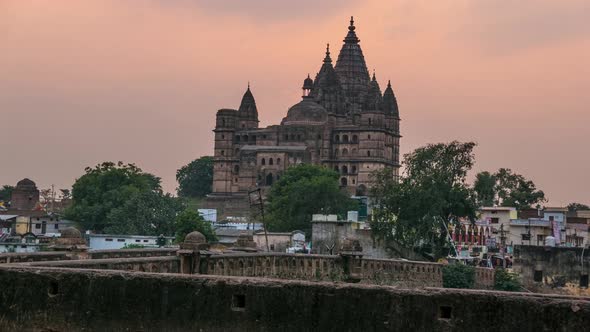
<point x="190" y="221"/>
<point x="457" y="275"/>
<point x="104" y="188"/>
<point x="302" y="191"/>
<point x="414" y="209"/>
<point x="6" y="193"/>
<point x="577" y="207"/>
<point x="485" y="188"/>
<point x="506" y="188"/>
<point x="145" y="213"/>
<point x="196" y="178"/>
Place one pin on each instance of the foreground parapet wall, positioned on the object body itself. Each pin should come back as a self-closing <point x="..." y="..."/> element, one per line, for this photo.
<point x="53" y="299"/>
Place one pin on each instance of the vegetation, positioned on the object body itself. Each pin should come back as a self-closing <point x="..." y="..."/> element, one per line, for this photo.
<point x="577" y="207"/>
<point x="6" y="193"/>
<point x="457" y="275"/>
<point x="413" y="209"/>
<point x="505" y="188"/>
<point x="196" y="178"/>
<point x="507" y="281"/>
<point x="190" y="221"/>
<point x="304" y="190"/>
<point x="122" y="198"/>
<point x="133" y="246"/>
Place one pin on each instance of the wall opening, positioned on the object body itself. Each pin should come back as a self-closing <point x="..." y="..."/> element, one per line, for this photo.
<point x="238" y="302"/>
<point x="584" y="280"/>
<point x="538" y="276"/>
<point x="53" y="289"/>
<point x="445" y="312"/>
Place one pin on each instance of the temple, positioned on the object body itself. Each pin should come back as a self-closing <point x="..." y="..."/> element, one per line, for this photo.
<point x="343" y="121"/>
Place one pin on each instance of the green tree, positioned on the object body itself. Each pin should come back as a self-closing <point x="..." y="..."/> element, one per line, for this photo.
<point x="507" y="281"/>
<point x="457" y="275"/>
<point x="190" y="221"/>
<point x="6" y="193"/>
<point x="413" y="209"/>
<point x="196" y="178"/>
<point x="577" y="207"/>
<point x="145" y="213"/>
<point x="104" y="188"/>
<point x="506" y="188"/>
<point x="484" y="187"/>
<point x="302" y="191"/>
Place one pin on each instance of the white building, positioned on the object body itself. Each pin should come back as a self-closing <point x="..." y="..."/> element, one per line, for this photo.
<point x="109" y="241"/>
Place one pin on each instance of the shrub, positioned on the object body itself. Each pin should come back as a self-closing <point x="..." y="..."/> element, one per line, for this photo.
<point x="507" y="281"/>
<point x="458" y="275"/>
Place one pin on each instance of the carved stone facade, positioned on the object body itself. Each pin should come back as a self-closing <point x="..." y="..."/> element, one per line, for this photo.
<point x="343" y="122"/>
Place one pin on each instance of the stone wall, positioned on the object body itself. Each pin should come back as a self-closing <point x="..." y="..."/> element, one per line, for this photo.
<point x="36" y="256"/>
<point x="128" y="253"/>
<point x="553" y="269"/>
<point x="53" y="299"/>
<point x="169" y="264"/>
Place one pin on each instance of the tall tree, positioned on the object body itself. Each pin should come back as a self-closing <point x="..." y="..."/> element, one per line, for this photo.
<point x="190" y="221"/>
<point x="485" y="188"/>
<point x="104" y="188"/>
<point x="302" y="191"/>
<point x="6" y="193"/>
<point x="506" y="188"/>
<point x="414" y="209"/>
<point x="196" y="178"/>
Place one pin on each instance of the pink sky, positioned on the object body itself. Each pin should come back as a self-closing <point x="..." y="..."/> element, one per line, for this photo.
<point x="83" y="82"/>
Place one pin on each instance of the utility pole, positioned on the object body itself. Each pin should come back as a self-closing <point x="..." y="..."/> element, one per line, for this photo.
<point x="503" y="243"/>
<point x="256" y="202"/>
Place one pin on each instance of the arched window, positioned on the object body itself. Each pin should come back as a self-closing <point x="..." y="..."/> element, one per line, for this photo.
<point x="368" y="153"/>
<point x="368" y="136"/>
<point x="237" y="150"/>
<point x="344" y="169"/>
<point x="353" y="181"/>
<point x="269" y="179"/>
<point x="286" y="137"/>
<point x="245" y="138"/>
<point x="354" y="152"/>
<point x="355" y="138"/>
<point x="319" y="136"/>
<point x="223" y="122"/>
<point x="345" y="138"/>
<point x="337" y="138"/>
<point x="263" y="162"/>
<point x="222" y="152"/>
<point x="299" y="137"/>
<point x="345" y="152"/>
<point x="270" y="161"/>
<point x="369" y="121"/>
<point x="353" y="169"/>
<point x="292" y="137"/>
<point x="343" y="182"/>
<point x="278" y="163"/>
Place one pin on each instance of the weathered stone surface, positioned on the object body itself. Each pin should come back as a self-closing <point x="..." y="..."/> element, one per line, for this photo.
<point x="50" y="299"/>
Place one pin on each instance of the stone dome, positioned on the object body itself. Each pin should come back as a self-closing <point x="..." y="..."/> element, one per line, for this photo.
<point x="306" y="112"/>
<point x="70" y="233"/>
<point x="195" y="238"/>
<point x="308" y="83"/>
<point x="26" y="183"/>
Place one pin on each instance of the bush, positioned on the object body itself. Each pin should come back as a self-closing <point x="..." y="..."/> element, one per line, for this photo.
<point x="507" y="281"/>
<point x="458" y="275"/>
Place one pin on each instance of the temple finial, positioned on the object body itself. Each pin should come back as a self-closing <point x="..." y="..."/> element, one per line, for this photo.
<point x="327" y="58"/>
<point x="389" y="83"/>
<point x="374" y="79"/>
<point x="351" y="27"/>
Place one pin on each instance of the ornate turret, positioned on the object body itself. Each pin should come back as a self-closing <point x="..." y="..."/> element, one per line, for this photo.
<point x="248" y="111"/>
<point x="374" y="98"/>
<point x="389" y="101"/>
<point x="307" y="86"/>
<point x="327" y="90"/>
<point x="352" y="69"/>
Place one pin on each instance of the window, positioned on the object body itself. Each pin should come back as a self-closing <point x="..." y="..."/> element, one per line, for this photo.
<point x="345" y="152"/>
<point x="137" y="240"/>
<point x="343" y="182"/>
<point x="286" y="137"/>
<point x="337" y="138"/>
<point x="120" y="240"/>
<point x="109" y="240"/>
<point x="236" y="169"/>
<point x="353" y="169"/>
<point x="344" y="170"/>
<point x="345" y="138"/>
<point x="540" y="239"/>
<point x="278" y="161"/>
<point x="353" y="181"/>
<point x="538" y="276"/>
<point x="263" y="162"/>
<point x="299" y="137"/>
<point x="369" y="121"/>
<point x="245" y="138"/>
<point x="495" y="220"/>
<point x="263" y="136"/>
<point x="56" y="226"/>
<point x="269" y="179"/>
<point x="355" y="138"/>
<point x="222" y="152"/>
<point x="270" y="161"/>
<point x="336" y="169"/>
<point x="368" y="153"/>
<point x="236" y="180"/>
<point x="237" y="138"/>
<point x="551" y="218"/>
<point x="319" y="136"/>
<point x="37" y="226"/>
<point x="145" y="241"/>
<point x="368" y="136"/>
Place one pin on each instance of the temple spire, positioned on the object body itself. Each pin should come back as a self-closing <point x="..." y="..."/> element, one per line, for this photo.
<point x="351" y="37"/>
<point x="328" y="59"/>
